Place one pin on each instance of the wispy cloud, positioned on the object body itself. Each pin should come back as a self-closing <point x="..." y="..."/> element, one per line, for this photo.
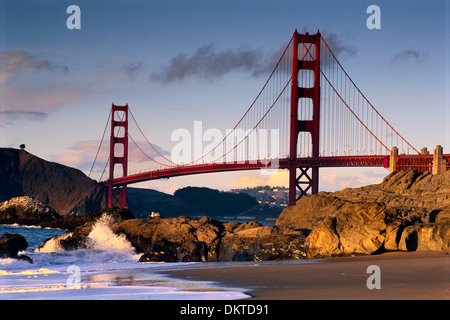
<point x="8" y="116"/>
<point x="82" y="153"/>
<point x="12" y="62"/>
<point x="207" y="62"/>
<point x="121" y="68"/>
<point x="247" y="182"/>
<point x="407" y="55"/>
<point x="31" y="88"/>
<point x="338" y="181"/>
<point x="338" y="45"/>
<point x="34" y="103"/>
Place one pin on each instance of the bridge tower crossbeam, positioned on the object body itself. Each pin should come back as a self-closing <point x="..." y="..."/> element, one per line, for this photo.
<point x="309" y="59"/>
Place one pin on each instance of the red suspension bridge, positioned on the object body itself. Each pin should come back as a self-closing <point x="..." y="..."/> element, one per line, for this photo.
<point x="308" y="115"/>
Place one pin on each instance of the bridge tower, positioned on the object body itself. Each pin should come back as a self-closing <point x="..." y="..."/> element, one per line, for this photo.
<point x="309" y="59"/>
<point x="117" y="195"/>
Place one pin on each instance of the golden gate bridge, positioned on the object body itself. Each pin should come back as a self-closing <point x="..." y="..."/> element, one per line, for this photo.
<point x="320" y="117"/>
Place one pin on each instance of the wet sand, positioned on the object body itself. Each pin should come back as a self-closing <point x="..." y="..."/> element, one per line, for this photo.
<point x="406" y="275"/>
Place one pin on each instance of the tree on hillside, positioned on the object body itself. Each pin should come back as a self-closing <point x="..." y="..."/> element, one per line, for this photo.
<point x="22" y="147"/>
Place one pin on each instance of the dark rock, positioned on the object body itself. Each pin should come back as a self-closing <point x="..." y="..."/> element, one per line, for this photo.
<point x="11" y="244"/>
<point x="160" y="253"/>
<point x="27" y="211"/>
<point x="80" y="227"/>
<point x="261" y="243"/>
<point x="25" y="258"/>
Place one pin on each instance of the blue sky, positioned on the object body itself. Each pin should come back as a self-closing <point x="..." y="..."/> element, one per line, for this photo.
<point x="57" y="85"/>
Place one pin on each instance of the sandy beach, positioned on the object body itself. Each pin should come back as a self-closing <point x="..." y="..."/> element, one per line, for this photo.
<point x="406" y="275"/>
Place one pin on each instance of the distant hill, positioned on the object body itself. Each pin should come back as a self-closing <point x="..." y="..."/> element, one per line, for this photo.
<point x="198" y="201"/>
<point x="142" y="202"/>
<point x="211" y="202"/>
<point x="65" y="189"/>
<point x="266" y="195"/>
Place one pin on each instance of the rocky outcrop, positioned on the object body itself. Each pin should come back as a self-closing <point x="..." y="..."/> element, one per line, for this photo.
<point x="260" y="243"/>
<point x="182" y="239"/>
<point x="11" y="244"/>
<point x="66" y="190"/>
<point x="27" y="211"/>
<point x="407" y="211"/>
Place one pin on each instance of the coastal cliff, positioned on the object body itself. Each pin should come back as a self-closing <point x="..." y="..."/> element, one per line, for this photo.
<point x="66" y="190"/>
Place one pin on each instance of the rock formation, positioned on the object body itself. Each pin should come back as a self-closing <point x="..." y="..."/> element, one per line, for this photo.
<point x="183" y="239"/>
<point x="30" y="211"/>
<point x="27" y="211"/>
<point x="11" y="244"/>
<point x="407" y="211"/>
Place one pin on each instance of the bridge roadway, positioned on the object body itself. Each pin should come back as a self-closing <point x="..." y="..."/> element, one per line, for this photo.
<point x="420" y="162"/>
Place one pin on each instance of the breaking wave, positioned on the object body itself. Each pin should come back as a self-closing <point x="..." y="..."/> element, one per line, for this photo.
<point x="102" y="244"/>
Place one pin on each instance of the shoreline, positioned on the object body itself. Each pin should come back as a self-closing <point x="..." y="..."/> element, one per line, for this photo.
<point x="403" y="275"/>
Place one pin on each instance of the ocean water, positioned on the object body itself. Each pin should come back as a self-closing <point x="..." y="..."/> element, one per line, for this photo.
<point x="107" y="270"/>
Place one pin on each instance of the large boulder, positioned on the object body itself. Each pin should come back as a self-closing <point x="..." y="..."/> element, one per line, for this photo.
<point x="261" y="243"/>
<point x="160" y="253"/>
<point x="309" y="211"/>
<point x="358" y="228"/>
<point x="192" y="240"/>
<point x="11" y="245"/>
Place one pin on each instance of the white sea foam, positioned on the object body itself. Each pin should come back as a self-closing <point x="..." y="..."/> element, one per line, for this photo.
<point x="53" y="244"/>
<point x="102" y="238"/>
<point x="108" y="270"/>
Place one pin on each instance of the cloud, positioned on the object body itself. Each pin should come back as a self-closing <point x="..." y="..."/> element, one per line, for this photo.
<point x="8" y="116"/>
<point x="74" y="160"/>
<point x="279" y="179"/>
<point x="345" y="179"/>
<point x="40" y="98"/>
<point x="407" y="55"/>
<point x="30" y="88"/>
<point x="337" y="45"/>
<point x="247" y="182"/>
<point x="82" y="153"/>
<point x="12" y="62"/>
<point x="36" y="103"/>
<point x="208" y="63"/>
<point x="121" y="68"/>
<point x="329" y="177"/>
